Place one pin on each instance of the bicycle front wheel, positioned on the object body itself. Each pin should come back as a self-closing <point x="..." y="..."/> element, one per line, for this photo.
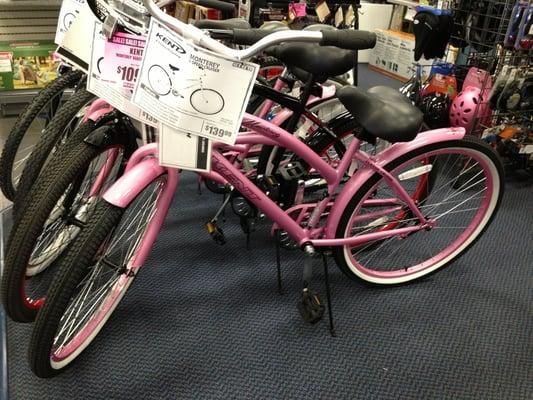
<point x="464" y="188"/>
<point x="93" y="277"/>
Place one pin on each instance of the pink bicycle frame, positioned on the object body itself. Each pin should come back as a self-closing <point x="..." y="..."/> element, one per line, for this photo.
<point x="143" y="168"/>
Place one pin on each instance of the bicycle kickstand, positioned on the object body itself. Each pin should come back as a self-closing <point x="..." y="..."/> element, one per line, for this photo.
<point x="278" y="261"/>
<point x="199" y="189"/>
<point x="225" y="200"/>
<point x="332" y="331"/>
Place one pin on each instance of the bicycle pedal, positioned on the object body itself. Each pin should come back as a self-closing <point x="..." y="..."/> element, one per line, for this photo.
<point x="311" y="307"/>
<point x="216" y="233"/>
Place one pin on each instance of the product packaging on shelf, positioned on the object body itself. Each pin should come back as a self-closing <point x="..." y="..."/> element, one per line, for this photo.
<point x="393" y="54"/>
<point x="27" y="65"/>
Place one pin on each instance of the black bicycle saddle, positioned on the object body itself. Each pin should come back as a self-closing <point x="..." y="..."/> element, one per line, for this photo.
<point x="383" y="112"/>
<point x="322" y="62"/>
<point x="225" y="24"/>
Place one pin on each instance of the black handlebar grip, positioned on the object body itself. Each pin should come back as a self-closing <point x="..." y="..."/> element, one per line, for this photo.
<point x="349" y="39"/>
<point x="217" y="4"/>
<point x="249" y="36"/>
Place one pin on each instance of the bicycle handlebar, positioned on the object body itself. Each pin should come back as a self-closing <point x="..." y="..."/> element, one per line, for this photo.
<point x="216" y="4"/>
<point x="348" y="39"/>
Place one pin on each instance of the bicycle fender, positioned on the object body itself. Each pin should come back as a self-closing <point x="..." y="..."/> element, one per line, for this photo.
<point x="101" y="136"/>
<point x="129" y="185"/>
<point x="109" y="134"/>
<point x="385" y="157"/>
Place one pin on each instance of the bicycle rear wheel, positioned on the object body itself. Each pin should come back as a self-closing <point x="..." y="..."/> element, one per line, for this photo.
<point x="94" y="275"/>
<point x="465" y="186"/>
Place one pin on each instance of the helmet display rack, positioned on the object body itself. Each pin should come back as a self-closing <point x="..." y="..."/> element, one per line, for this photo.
<point x="480" y="31"/>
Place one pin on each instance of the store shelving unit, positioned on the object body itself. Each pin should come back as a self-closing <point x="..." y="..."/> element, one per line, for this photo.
<point x="25" y="20"/>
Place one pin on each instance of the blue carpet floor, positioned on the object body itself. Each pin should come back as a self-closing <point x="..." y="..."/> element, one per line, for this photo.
<point x="205" y="322"/>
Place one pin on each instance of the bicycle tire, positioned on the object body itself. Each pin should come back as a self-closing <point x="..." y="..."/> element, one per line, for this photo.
<point x="69" y="275"/>
<point x="358" y="273"/>
<point x="49" y="139"/>
<point x="44" y="196"/>
<point x="11" y="147"/>
<point x="97" y="241"/>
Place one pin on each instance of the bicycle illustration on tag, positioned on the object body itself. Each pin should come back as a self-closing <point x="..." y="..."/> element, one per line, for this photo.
<point x="203" y="100"/>
<point x="69" y="19"/>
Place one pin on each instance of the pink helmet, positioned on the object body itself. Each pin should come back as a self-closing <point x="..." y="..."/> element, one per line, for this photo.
<point x="468" y="106"/>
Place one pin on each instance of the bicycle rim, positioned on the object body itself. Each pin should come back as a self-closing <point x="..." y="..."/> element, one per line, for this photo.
<point x="465" y="190"/>
<point x="107" y="279"/>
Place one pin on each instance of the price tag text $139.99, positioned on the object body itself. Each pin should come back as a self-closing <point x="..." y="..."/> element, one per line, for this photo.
<point x="216" y="131"/>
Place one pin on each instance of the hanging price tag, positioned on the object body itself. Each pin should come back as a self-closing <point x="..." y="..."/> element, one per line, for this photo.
<point x="113" y="69"/>
<point x="76" y="43"/>
<point x="70" y="10"/>
<point x="191" y="89"/>
<point x="183" y="150"/>
<point x="123" y="57"/>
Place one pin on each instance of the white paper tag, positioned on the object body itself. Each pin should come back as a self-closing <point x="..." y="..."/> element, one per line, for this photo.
<point x="76" y="44"/>
<point x="322" y="11"/>
<point x="350" y="16"/>
<point x="410" y="14"/>
<point x="339" y="17"/>
<point x="191" y="89"/>
<point x="109" y="86"/>
<point x="244" y="9"/>
<point x="182" y="150"/>
<point x="69" y="12"/>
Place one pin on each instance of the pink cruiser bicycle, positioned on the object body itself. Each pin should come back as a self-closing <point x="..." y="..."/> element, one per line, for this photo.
<point x="376" y="228"/>
<point x="91" y="160"/>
